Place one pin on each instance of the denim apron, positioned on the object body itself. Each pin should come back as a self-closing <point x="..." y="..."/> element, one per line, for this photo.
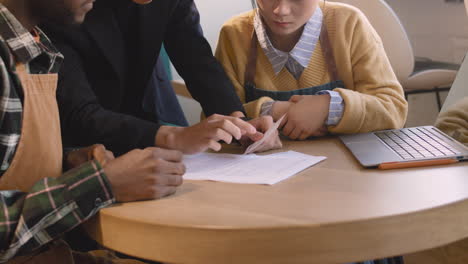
<point x="253" y="93"/>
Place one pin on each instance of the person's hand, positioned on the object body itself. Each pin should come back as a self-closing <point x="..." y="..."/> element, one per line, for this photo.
<point x="248" y="137"/>
<point x="77" y="157"/>
<point x="238" y="114"/>
<point x="204" y="135"/>
<point x="306" y="116"/>
<point x="150" y="173"/>
<point x="262" y="124"/>
<point x="279" y="108"/>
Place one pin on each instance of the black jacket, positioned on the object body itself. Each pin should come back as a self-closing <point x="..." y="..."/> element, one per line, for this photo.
<point x="108" y="66"/>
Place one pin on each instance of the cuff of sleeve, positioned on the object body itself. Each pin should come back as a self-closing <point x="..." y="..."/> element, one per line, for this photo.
<point x="253" y="108"/>
<point x="149" y="135"/>
<point x="336" y="109"/>
<point x="89" y="187"/>
<point x="266" y="108"/>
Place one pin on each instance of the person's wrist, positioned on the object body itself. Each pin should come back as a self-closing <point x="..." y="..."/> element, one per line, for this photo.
<point x="278" y="109"/>
<point x="69" y="158"/>
<point x="326" y="97"/>
<point x="166" y="137"/>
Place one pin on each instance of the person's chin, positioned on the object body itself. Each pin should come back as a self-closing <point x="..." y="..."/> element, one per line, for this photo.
<point x="284" y="32"/>
<point x="79" y="16"/>
<point x="73" y="22"/>
<point x="76" y="19"/>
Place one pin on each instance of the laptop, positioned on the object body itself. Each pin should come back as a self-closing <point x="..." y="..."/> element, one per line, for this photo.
<point x="424" y="144"/>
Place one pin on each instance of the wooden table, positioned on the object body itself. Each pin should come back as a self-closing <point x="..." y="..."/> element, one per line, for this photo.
<point x="334" y="212"/>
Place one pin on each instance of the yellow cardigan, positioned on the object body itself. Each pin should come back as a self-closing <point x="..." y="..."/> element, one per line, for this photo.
<point x="374" y="99"/>
<point x="454" y="121"/>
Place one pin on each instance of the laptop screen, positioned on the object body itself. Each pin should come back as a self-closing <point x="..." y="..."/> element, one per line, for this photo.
<point x="459" y="88"/>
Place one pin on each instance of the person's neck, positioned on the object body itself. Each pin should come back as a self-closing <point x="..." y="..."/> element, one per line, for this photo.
<point x="21" y="9"/>
<point x="285" y="43"/>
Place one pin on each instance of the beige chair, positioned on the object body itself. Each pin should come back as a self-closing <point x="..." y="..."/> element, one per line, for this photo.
<point x="190" y="107"/>
<point x="415" y="75"/>
<point x="180" y="88"/>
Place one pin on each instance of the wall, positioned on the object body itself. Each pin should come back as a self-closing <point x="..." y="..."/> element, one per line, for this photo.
<point x="437" y="29"/>
<point x="213" y="15"/>
<point x="215" y="12"/>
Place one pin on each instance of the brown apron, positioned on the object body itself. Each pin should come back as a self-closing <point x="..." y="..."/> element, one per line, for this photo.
<point x="39" y="151"/>
<point x="39" y="154"/>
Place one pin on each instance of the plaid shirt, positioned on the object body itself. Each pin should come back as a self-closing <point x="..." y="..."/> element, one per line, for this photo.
<point x="53" y="206"/>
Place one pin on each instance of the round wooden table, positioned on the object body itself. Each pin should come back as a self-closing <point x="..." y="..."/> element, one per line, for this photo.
<point x="334" y="212"/>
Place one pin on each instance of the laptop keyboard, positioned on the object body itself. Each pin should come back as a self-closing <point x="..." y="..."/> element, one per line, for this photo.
<point x="417" y="142"/>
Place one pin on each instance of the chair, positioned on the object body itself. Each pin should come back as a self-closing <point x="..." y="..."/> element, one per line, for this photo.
<point x="181" y="89"/>
<point x="192" y="109"/>
<point x="416" y="75"/>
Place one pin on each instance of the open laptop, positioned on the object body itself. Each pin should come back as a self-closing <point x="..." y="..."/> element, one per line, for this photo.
<point x="425" y="143"/>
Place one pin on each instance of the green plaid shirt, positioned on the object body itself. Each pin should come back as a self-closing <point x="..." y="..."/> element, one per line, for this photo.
<point x="53" y="206"/>
<point x="18" y="45"/>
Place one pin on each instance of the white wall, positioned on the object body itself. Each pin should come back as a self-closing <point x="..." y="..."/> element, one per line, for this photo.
<point x="215" y="12"/>
<point x="437" y="29"/>
<point x="213" y="15"/>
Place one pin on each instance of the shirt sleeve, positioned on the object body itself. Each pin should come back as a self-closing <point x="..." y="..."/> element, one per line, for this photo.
<point x="374" y="98"/>
<point x="11" y="112"/>
<point x="193" y="58"/>
<point x="336" y="109"/>
<point x="266" y="108"/>
<point x="52" y="207"/>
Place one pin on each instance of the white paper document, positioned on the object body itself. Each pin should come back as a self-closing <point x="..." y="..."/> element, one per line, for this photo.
<point x="252" y="169"/>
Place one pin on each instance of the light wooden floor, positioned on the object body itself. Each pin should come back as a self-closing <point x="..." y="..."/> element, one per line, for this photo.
<point x="455" y="253"/>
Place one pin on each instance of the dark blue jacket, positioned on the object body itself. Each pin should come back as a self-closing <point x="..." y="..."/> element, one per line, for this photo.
<point x="159" y="101"/>
<point x="108" y="69"/>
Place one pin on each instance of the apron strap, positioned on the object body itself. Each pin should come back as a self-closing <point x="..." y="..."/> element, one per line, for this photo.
<point x="249" y="76"/>
<point x="327" y="50"/>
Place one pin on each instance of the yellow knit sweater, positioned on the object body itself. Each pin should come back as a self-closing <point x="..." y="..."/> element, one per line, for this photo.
<point x="454" y="121"/>
<point x="374" y="99"/>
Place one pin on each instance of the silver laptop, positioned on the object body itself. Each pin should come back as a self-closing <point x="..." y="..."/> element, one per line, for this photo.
<point x="411" y="144"/>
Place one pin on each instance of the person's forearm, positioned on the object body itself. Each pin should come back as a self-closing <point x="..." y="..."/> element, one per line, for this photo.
<point x="166" y="137"/>
<point x="53" y="207"/>
<point x="193" y="58"/>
